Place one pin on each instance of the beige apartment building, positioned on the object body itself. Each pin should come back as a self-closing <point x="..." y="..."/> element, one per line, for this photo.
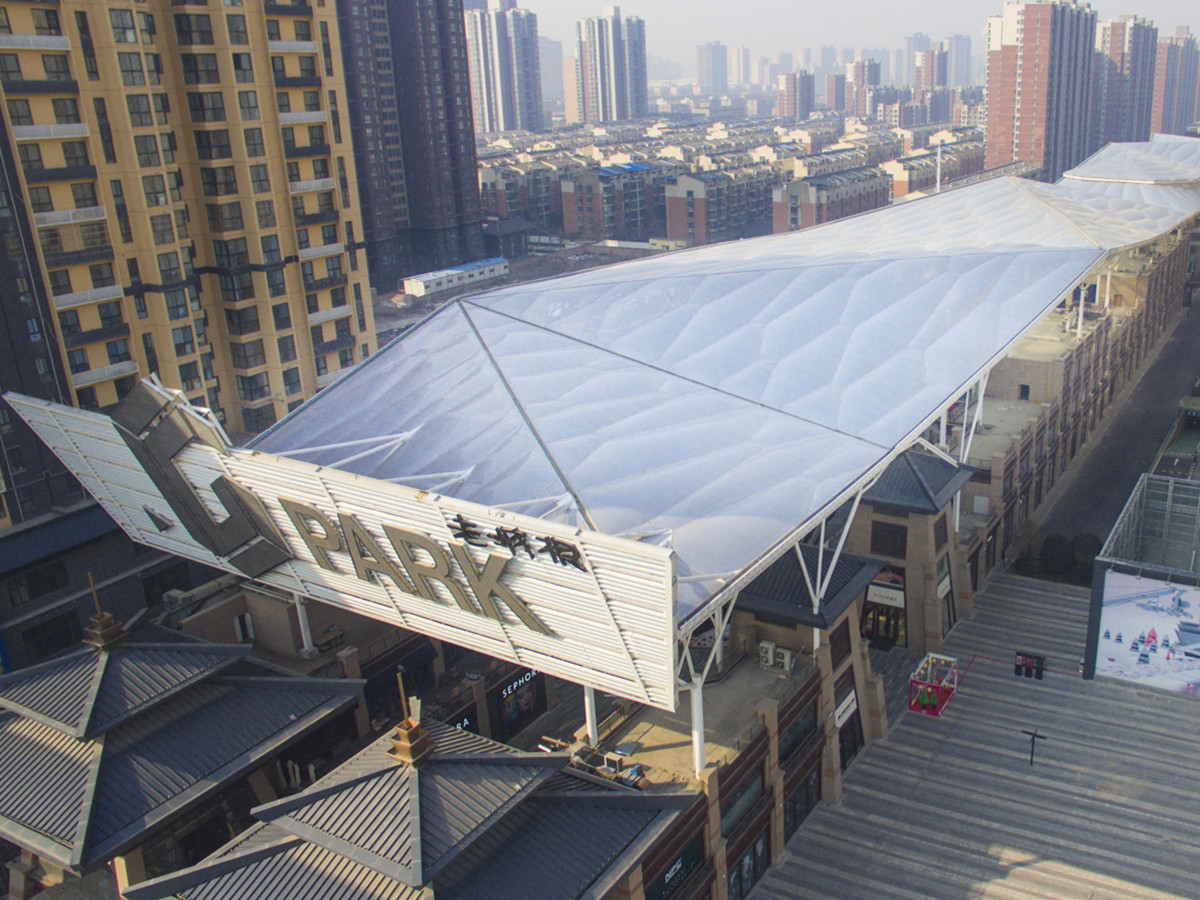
<point x="188" y="182"/>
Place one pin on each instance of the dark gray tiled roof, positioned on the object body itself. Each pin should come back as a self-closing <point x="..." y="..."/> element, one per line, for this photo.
<point x="781" y="591"/>
<point x="89" y="691"/>
<point x="572" y="842"/>
<point x="44" y="782"/>
<point x="918" y="481"/>
<point x="410" y="822"/>
<point x="101" y="747"/>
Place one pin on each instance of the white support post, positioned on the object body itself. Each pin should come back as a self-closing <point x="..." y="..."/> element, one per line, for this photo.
<point x="1082" y="299"/>
<point x="589" y="708"/>
<point x="942" y="425"/>
<point x="964" y="444"/>
<point x="841" y="542"/>
<point x="307" y="647"/>
<point x="698" y="757"/>
<point x="1107" y="288"/>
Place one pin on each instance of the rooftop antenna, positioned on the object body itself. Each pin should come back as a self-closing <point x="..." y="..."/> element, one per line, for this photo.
<point x="411" y="744"/>
<point x="104" y="632"/>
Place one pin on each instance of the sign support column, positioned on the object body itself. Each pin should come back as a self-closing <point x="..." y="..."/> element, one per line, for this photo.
<point x="307" y="647"/>
<point x="698" y="760"/>
<point x="589" y="708"/>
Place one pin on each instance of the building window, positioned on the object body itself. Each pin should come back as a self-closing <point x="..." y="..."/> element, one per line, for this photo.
<point x="5" y="28"/>
<point x="940" y="533"/>
<point x="248" y="103"/>
<point x="230" y="254"/>
<point x="168" y="267"/>
<point x="45" y="22"/>
<point x="18" y="112"/>
<point x="218" y="182"/>
<point x="155" y="189"/>
<point x="287" y="348"/>
<point x="77" y="361"/>
<point x="253" y="387"/>
<point x="270" y="248"/>
<point x="60" y="281"/>
<point x="162" y="229"/>
<point x="110" y="313"/>
<point x="260" y="179"/>
<point x="200" y="68"/>
<point x="276" y="284"/>
<point x="36" y="583"/>
<point x="189" y="377"/>
<point x="272" y="29"/>
<point x="10" y="67"/>
<point x="130" y="65"/>
<point x="118" y="351"/>
<point x="75" y="153"/>
<point x="39" y="198"/>
<point x="242" y="321"/>
<point x="738" y="802"/>
<point x="213" y="145"/>
<point x="206" y="106"/>
<point x="224" y="216"/>
<point x="291" y="381"/>
<point x="66" y="110"/>
<point x="86" y="398"/>
<point x="256" y="420"/>
<point x="68" y="321"/>
<point x="102" y="275"/>
<point x="236" y="24"/>
<point x="243" y="68"/>
<point x="839" y="643"/>
<point x="265" y="210"/>
<point x="124" y="31"/>
<point x="84" y="195"/>
<point x="146" y="146"/>
<point x="182" y="339"/>
<point x="248" y="356"/>
<point x="193" y="29"/>
<point x="888" y="539"/>
<point x="139" y="110"/>
<point x="254" y="142"/>
<point x="176" y="303"/>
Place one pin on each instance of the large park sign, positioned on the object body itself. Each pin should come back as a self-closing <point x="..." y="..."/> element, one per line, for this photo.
<point x="582" y="605"/>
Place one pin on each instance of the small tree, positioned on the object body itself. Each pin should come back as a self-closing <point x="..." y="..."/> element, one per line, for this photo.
<point x="1058" y="557"/>
<point x="1027" y="539"/>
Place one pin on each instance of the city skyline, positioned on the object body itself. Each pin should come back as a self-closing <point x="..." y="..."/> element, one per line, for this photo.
<point x="674" y="28"/>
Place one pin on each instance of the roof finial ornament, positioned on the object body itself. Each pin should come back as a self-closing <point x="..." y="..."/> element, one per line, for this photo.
<point x="411" y="744"/>
<point x="104" y="632"/>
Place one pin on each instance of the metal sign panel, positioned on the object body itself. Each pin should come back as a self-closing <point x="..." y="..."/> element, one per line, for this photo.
<point x="584" y="606"/>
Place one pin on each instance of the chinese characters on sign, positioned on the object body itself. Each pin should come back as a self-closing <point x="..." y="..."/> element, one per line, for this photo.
<point x="514" y="539"/>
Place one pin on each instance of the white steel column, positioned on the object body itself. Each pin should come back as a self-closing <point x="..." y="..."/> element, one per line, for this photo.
<point x="1082" y="299"/>
<point x="589" y="708"/>
<point x="1107" y="288"/>
<point x="307" y="648"/>
<point x="964" y="444"/>
<point x="698" y="759"/>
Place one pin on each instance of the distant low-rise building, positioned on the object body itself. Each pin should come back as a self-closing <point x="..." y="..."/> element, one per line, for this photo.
<point x="824" y="198"/>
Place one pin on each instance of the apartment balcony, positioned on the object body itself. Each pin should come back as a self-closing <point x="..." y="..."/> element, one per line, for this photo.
<point x="321" y="284"/>
<point x="92" y="295"/>
<point x="91" y="254"/>
<point x="105" y="373"/>
<point x="57" y="217"/>
<point x="40" y="86"/>
<point x="344" y="342"/>
<point x="294" y="152"/>
<point x="62" y="173"/>
<point x="305" y="117"/>
<point x="287" y="9"/>
<point x="95" y="335"/>
<point x="49" y="132"/>
<point x="321" y="217"/>
<point x="297" y="81"/>
<point x="320" y="252"/>
<point x="34" y="42"/>
<point x="316" y="184"/>
<point x="293" y="47"/>
<point x="322" y="316"/>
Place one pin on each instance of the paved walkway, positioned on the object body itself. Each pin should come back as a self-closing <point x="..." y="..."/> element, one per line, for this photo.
<point x="951" y="809"/>
<point x="1093" y="494"/>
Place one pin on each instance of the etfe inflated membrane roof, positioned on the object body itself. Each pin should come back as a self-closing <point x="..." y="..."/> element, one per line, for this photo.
<point x="723" y="400"/>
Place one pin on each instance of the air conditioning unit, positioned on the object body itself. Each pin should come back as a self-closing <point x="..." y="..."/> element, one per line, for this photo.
<point x="766" y="654"/>
<point x="784" y="659"/>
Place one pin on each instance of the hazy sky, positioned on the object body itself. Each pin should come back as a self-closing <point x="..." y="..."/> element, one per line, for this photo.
<point x="675" y="27"/>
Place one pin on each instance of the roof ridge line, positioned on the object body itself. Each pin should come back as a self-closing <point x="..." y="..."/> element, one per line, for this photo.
<point x="1027" y="189"/>
<point x="83" y="825"/>
<point x="545" y="448"/>
<point x="686" y="378"/>
<point x="929" y="492"/>
<point x="97" y="682"/>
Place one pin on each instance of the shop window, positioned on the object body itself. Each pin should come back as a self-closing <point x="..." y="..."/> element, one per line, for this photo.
<point x="888" y="539"/>
<point x="52" y="636"/>
<point x="746" y="871"/>
<point x="839" y="643"/>
<point x="33" y="584"/>
<point x="940" y="533"/>
<point x="739" y="801"/>
<point x="800" y="735"/>
<point x="802" y="801"/>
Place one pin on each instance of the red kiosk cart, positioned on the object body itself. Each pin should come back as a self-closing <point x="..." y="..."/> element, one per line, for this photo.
<point x="933" y="683"/>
